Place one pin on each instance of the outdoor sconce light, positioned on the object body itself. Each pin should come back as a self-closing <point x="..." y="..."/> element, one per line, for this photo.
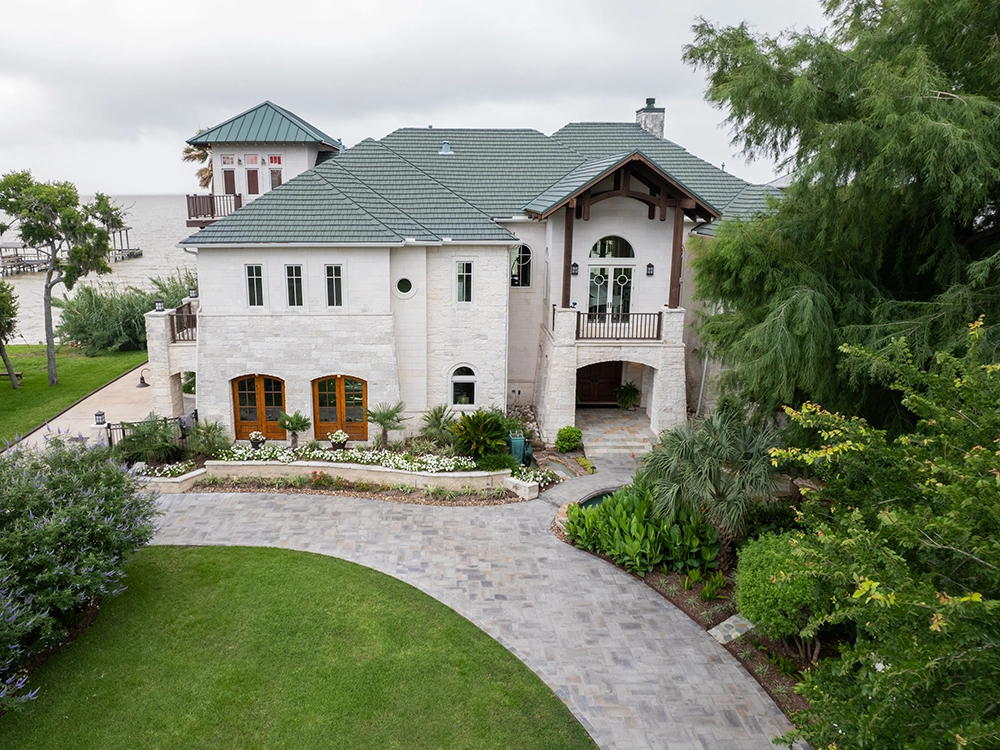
<point x="142" y="378"/>
<point x="193" y="292"/>
<point x="158" y="305"/>
<point x="649" y="269"/>
<point x="99" y="418"/>
<point x="575" y="269"/>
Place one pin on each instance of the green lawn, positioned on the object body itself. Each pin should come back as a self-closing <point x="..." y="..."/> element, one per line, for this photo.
<point x="23" y="410"/>
<point x="234" y="647"/>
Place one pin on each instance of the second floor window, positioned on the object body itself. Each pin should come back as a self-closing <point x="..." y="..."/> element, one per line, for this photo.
<point x="334" y="286"/>
<point x="464" y="277"/>
<point x="520" y="266"/>
<point x="255" y="286"/>
<point x="293" y="275"/>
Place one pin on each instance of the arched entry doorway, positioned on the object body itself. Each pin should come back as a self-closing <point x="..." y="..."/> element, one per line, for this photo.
<point x="596" y="384"/>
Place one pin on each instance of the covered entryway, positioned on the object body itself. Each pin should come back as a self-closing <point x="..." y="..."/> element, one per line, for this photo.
<point x="610" y="432"/>
<point x="596" y="384"/>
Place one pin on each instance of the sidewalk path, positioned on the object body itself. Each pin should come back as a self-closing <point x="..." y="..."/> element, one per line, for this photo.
<point x="634" y="670"/>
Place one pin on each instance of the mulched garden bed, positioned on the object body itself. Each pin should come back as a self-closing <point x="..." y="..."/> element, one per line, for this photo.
<point x="756" y="653"/>
<point x="365" y="490"/>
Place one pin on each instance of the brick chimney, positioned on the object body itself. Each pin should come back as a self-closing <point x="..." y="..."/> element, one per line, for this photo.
<point x="650" y="118"/>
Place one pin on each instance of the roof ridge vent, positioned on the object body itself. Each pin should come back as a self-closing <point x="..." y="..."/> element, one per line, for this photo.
<point x="446" y="148"/>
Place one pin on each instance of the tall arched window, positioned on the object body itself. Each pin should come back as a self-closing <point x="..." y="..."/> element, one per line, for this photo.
<point x="463" y="386"/>
<point x="520" y="266"/>
<point x="258" y="401"/>
<point x="612" y="247"/>
<point x="339" y="403"/>
<point x="610" y="290"/>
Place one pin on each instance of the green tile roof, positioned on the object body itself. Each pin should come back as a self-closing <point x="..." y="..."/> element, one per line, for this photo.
<point x="573" y="182"/>
<point x="368" y="194"/>
<point x="265" y="123"/>
<point x="749" y="201"/>
<point x="496" y="170"/>
<point x="596" y="140"/>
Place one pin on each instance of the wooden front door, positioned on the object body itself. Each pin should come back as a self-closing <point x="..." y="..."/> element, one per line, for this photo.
<point x="595" y="384"/>
<point x="339" y="403"/>
<point x="258" y="401"/>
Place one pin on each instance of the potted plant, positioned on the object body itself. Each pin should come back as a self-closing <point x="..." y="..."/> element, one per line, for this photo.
<point x="257" y="440"/>
<point x="338" y="440"/>
<point x="294" y="424"/>
<point x="627" y="395"/>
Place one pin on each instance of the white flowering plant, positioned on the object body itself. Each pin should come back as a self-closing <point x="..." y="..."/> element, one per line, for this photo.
<point x="169" y="471"/>
<point x="388" y="459"/>
<point x="257" y="435"/>
<point x="544" y="478"/>
<point x="337" y="437"/>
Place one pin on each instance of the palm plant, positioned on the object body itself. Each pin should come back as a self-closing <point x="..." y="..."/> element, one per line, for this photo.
<point x="388" y="417"/>
<point x="294" y="424"/>
<point x="480" y="433"/>
<point x="716" y="466"/>
<point x="437" y="425"/>
<point x="200" y="155"/>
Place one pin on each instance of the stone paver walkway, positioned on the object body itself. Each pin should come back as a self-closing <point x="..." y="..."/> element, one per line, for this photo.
<point x="613" y="431"/>
<point x="634" y="670"/>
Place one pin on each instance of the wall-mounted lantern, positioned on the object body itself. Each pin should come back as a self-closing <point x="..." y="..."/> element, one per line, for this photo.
<point x="575" y="269"/>
<point x="142" y="378"/>
<point x="193" y="292"/>
<point x="649" y="269"/>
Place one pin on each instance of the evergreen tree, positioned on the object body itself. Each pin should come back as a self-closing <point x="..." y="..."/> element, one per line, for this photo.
<point x="891" y="225"/>
<point x="8" y="325"/>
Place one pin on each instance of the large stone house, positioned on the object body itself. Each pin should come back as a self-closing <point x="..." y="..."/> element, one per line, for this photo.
<point x="462" y="267"/>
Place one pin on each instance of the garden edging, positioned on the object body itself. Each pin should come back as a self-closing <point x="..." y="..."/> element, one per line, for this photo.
<point x="174" y="485"/>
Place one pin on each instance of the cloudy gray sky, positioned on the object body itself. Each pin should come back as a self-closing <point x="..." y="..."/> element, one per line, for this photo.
<point x="104" y="92"/>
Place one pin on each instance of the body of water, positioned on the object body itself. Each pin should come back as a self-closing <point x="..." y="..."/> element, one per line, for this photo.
<point x="157" y="224"/>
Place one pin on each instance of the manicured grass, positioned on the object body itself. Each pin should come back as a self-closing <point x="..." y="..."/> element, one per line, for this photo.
<point x="35" y="402"/>
<point x="239" y="647"/>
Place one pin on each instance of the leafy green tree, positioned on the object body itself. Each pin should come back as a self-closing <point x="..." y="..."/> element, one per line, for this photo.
<point x="891" y="225"/>
<point x="8" y="325"/>
<point x="906" y="536"/>
<point x="76" y="238"/>
<point x="717" y="467"/>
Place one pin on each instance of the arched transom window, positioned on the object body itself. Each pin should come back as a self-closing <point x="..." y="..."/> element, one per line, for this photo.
<point x="463" y="386"/>
<point x="612" y="247"/>
<point x="520" y="266"/>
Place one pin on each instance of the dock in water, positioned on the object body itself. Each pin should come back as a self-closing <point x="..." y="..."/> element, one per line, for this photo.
<point x="17" y="258"/>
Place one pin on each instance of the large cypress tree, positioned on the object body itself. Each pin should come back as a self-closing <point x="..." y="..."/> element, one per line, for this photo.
<point x="890" y="123"/>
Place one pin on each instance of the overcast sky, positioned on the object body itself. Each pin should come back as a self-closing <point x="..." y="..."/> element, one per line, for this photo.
<point x="104" y="92"/>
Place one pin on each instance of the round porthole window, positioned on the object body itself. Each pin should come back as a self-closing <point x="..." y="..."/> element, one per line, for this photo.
<point x="404" y="286"/>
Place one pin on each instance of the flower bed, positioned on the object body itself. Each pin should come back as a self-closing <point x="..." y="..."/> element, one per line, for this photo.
<point x="399" y="461"/>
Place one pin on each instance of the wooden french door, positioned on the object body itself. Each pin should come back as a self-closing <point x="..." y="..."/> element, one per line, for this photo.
<point x="258" y="401"/>
<point x="229" y="181"/>
<point x="339" y="403"/>
<point x="595" y="384"/>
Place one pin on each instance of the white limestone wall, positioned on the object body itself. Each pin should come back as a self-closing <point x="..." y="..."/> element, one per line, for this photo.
<point x="659" y="365"/>
<point x="295" y="344"/>
<point x="410" y="315"/>
<point x="527" y="309"/>
<point x="472" y="334"/>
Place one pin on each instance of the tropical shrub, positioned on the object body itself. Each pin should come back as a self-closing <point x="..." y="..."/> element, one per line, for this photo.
<point x="624" y="529"/>
<point x="70" y="517"/>
<point x="208" y="439"/>
<point x="479" y="433"/>
<point x="627" y="395"/>
<point x="105" y="317"/>
<point x="154" y="440"/>
<point x="294" y="424"/>
<point x="437" y="424"/>
<point x="388" y="417"/>
<point x="497" y="462"/>
<point x="568" y="439"/>
<point x="717" y="466"/>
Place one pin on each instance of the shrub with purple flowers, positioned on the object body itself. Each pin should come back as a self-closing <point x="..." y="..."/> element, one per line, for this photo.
<point x="70" y="516"/>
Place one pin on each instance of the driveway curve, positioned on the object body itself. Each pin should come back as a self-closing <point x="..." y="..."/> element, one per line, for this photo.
<point x="633" y="669"/>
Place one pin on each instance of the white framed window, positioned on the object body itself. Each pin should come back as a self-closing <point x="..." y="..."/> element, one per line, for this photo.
<point x="274" y="160"/>
<point x="463" y="386"/>
<point x="293" y="277"/>
<point x="404" y="288"/>
<point x="228" y="160"/>
<point x="463" y="279"/>
<point x="274" y="170"/>
<point x="251" y="160"/>
<point x="255" y="286"/>
<point x="334" y="286"/>
<point x="520" y="266"/>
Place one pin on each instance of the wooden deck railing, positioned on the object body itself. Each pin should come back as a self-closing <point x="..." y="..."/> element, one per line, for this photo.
<point x="619" y="326"/>
<point x="209" y="207"/>
<point x="183" y="324"/>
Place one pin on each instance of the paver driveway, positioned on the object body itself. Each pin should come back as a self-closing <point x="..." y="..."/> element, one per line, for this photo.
<point x="634" y="670"/>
